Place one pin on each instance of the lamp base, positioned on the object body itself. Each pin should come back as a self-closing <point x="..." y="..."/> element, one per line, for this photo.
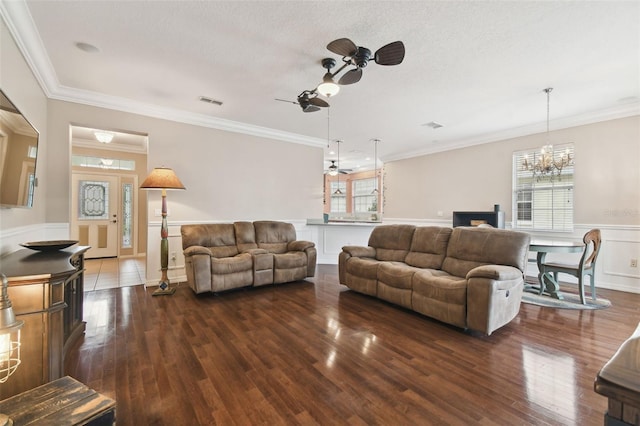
<point x="163" y="288"/>
<point x="163" y="292"/>
<point x="5" y="420"/>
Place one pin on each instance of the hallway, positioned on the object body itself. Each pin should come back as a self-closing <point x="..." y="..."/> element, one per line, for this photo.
<point x="101" y="274"/>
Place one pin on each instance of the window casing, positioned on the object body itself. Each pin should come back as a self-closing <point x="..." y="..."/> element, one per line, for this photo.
<point x="103" y="163"/>
<point x="364" y="198"/>
<point x="542" y="203"/>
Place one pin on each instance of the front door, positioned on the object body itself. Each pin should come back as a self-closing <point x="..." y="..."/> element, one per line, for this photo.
<point x="94" y="217"/>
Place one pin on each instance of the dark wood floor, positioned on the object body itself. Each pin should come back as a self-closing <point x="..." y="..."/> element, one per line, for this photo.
<point x="315" y="352"/>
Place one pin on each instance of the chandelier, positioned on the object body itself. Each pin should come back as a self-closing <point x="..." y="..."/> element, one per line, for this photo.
<point x="547" y="163"/>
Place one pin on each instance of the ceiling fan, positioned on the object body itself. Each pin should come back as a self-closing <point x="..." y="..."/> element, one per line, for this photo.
<point x="333" y="169"/>
<point x="308" y="101"/>
<point x="359" y="57"/>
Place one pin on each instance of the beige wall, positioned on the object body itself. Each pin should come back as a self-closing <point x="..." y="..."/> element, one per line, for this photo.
<point x="21" y="87"/>
<point x="228" y="176"/>
<point x="607" y="176"/>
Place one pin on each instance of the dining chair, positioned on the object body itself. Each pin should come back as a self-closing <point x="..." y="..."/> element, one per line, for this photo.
<point x="586" y="266"/>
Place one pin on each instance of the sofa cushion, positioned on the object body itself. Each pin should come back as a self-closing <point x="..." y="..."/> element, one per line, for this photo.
<point x="220" y="238"/>
<point x="472" y="247"/>
<point x="394" y="283"/>
<point x="364" y="267"/>
<point x="290" y="260"/>
<point x="230" y="265"/>
<point x="274" y="236"/>
<point x="361" y="274"/>
<point x="245" y="236"/>
<point x="396" y="274"/>
<point x="428" y="247"/>
<point x="443" y="297"/>
<point x="392" y="242"/>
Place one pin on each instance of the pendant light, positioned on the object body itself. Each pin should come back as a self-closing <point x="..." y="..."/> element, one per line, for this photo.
<point x="375" y="162"/>
<point x="338" y="191"/>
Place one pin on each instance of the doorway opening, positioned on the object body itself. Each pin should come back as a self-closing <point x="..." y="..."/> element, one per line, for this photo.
<point x="108" y="212"/>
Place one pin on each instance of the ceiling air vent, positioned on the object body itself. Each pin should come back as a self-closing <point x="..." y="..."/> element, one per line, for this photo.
<point x="210" y="101"/>
<point x="433" y="125"/>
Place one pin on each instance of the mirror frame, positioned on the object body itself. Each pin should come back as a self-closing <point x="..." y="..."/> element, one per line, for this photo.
<point x="17" y="178"/>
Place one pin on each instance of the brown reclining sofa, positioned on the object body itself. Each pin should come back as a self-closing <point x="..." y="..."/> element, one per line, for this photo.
<point x="224" y="256"/>
<point x="469" y="277"/>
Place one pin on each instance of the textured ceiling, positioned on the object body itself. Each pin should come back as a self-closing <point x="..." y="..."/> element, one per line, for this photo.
<point x="479" y="68"/>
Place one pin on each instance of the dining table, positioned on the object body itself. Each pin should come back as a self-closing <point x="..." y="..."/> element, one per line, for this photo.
<point x="547" y="283"/>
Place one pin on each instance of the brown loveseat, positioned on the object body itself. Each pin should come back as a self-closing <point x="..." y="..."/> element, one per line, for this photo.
<point x="223" y="256"/>
<point x="469" y="277"/>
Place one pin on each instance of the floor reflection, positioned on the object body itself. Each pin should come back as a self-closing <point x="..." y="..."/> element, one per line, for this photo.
<point x="550" y="381"/>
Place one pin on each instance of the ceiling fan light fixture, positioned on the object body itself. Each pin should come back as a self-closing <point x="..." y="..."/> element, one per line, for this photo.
<point x="328" y="87"/>
<point x="333" y="169"/>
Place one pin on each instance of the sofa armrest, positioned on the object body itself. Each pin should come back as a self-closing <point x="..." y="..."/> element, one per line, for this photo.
<point x="197" y="264"/>
<point x="299" y="245"/>
<point x="193" y="250"/>
<point x="360" y="251"/>
<point x="495" y="272"/>
<point x="494" y="293"/>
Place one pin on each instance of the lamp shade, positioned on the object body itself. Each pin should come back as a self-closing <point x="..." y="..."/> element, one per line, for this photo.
<point x="162" y="178"/>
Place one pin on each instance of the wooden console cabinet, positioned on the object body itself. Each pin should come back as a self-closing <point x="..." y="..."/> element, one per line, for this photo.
<point x="47" y="292"/>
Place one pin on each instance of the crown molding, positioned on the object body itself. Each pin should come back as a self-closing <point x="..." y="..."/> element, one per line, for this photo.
<point x="21" y="26"/>
<point x="85" y="97"/>
<point x="20" y="23"/>
<point x="613" y="113"/>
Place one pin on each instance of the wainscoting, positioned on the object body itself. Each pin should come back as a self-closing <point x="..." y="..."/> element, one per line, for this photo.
<point x="621" y="243"/>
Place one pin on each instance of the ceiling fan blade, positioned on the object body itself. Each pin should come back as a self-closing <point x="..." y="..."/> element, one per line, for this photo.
<point x="286" y="100"/>
<point x="311" y="108"/>
<point x="391" y="54"/>
<point x="350" y="77"/>
<point x="342" y="47"/>
<point x="319" y="102"/>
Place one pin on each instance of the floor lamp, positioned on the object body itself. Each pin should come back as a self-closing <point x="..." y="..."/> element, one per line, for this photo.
<point x="163" y="178"/>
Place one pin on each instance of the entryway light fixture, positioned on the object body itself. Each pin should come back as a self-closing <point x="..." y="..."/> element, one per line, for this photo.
<point x="547" y="164"/>
<point x="104" y="137"/>
<point x="9" y="334"/>
<point x="163" y="178"/>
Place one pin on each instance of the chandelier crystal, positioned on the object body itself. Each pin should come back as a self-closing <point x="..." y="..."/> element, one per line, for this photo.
<point x="547" y="163"/>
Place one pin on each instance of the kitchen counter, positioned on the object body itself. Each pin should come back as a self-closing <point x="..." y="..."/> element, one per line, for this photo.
<point x="331" y="236"/>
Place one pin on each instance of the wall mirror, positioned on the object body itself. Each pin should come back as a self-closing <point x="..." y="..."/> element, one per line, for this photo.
<point x="18" y="152"/>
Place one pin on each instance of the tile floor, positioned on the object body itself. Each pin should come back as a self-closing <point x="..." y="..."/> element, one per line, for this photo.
<point x="101" y="274"/>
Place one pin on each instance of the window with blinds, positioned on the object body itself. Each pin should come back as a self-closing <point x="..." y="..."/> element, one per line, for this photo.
<point x="364" y="197"/>
<point x="542" y="202"/>
<point x="339" y="201"/>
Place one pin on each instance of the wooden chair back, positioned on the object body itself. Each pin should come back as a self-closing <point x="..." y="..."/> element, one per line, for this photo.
<point x="592" y="241"/>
